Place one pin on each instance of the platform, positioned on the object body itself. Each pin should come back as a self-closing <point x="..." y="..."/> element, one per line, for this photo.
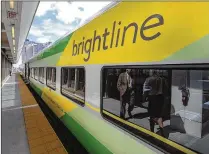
<point x="25" y="128"/>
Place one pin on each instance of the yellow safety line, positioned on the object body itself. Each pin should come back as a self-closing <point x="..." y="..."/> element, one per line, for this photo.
<point x="23" y="85"/>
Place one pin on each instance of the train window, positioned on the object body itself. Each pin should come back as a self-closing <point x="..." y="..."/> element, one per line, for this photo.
<point x="41" y="74"/>
<point x="73" y="84"/>
<point x="36" y="73"/>
<point x="32" y="72"/>
<point x="173" y="103"/>
<point x="51" y="77"/>
<point x="80" y="73"/>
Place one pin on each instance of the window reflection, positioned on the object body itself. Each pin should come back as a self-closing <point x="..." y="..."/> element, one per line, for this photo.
<point x="73" y="83"/>
<point x="41" y="74"/>
<point x="171" y="103"/>
<point x="51" y="77"/>
<point x="80" y="84"/>
<point x="36" y="73"/>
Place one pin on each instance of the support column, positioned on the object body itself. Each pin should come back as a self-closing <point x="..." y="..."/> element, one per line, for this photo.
<point x="6" y="67"/>
<point x="2" y="67"/>
<point x="6" y="74"/>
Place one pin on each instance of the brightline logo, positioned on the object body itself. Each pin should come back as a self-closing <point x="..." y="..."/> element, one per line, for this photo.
<point x="87" y="46"/>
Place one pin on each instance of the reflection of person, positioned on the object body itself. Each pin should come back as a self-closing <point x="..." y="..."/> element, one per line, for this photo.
<point x="117" y="93"/>
<point x="10" y="71"/>
<point x="110" y="83"/>
<point x="185" y="94"/>
<point x="154" y="88"/>
<point x="127" y="94"/>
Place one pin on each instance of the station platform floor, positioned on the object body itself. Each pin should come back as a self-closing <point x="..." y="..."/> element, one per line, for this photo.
<point x="25" y="128"/>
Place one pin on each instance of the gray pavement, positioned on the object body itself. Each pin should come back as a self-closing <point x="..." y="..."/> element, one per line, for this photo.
<point x="14" y="138"/>
<point x="140" y="117"/>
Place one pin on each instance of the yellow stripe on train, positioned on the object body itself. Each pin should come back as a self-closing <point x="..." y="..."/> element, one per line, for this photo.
<point x="59" y="104"/>
<point x="137" y="32"/>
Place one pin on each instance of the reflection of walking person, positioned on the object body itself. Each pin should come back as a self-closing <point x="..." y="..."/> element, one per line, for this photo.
<point x="185" y="94"/>
<point x="154" y="88"/>
<point x="127" y="94"/>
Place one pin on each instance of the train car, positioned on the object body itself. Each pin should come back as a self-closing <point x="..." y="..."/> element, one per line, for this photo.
<point x="21" y="70"/>
<point x="95" y="79"/>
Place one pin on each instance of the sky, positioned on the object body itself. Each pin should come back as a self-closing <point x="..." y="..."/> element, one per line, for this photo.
<point x="54" y="19"/>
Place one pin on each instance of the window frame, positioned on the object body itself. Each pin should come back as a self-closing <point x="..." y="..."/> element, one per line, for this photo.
<point x="36" y="68"/>
<point x="39" y="75"/>
<point x="147" y="138"/>
<point x="55" y="78"/>
<point x="74" y="92"/>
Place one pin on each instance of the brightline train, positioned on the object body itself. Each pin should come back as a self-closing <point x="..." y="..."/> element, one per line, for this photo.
<point x="74" y="76"/>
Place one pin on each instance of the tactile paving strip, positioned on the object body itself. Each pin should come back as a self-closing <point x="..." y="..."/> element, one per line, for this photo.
<point x="41" y="137"/>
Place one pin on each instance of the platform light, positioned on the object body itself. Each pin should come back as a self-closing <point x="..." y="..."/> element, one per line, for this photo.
<point x="11" y="3"/>
<point x="14" y="42"/>
<point x="13" y="32"/>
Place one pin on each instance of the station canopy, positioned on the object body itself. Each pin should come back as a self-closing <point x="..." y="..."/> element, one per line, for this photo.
<point x="17" y="17"/>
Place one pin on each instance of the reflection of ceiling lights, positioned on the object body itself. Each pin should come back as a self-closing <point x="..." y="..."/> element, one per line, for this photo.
<point x="13" y="32"/>
<point x="11" y="3"/>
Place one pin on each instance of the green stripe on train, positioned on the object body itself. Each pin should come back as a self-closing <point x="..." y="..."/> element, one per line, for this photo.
<point x="91" y="144"/>
<point x="36" y="88"/>
<point x="197" y="50"/>
<point x="92" y="131"/>
<point x="56" y="48"/>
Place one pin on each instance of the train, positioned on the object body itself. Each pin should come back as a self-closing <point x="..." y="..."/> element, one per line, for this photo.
<point x="77" y="77"/>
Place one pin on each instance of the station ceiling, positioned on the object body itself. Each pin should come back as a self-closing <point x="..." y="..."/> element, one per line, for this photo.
<point x="16" y="20"/>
